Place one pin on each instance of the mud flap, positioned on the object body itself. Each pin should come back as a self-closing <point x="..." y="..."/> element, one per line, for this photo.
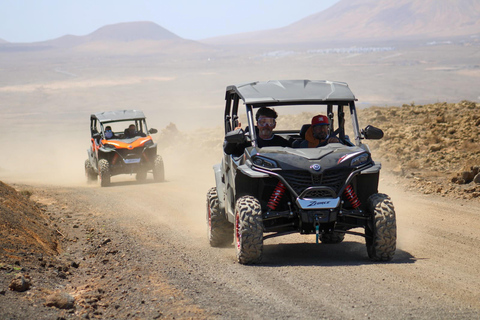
<point x="220" y="185"/>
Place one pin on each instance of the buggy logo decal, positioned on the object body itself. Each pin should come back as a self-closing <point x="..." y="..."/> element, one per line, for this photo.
<point x="328" y="203"/>
<point x="315" y="203"/>
<point x="315" y="167"/>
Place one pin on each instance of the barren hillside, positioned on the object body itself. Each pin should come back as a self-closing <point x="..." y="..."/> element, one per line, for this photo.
<point x="435" y="146"/>
<point x="372" y="19"/>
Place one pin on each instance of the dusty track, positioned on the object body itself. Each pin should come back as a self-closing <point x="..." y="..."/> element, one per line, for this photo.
<point x="434" y="273"/>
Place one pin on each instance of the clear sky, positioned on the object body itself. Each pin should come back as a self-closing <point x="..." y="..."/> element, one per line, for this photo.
<point x="39" y="20"/>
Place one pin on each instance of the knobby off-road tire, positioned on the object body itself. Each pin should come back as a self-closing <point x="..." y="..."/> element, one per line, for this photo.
<point x="332" y="237"/>
<point x="89" y="172"/>
<point x="158" y="170"/>
<point x="248" y="230"/>
<point x="381" y="231"/>
<point x="104" y="172"/>
<point x="219" y="229"/>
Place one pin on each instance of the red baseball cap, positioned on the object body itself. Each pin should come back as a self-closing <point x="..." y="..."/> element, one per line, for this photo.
<point x="320" y="120"/>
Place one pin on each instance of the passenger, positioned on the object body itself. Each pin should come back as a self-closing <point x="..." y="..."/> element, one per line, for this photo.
<point x="318" y="134"/>
<point x="131" y="132"/>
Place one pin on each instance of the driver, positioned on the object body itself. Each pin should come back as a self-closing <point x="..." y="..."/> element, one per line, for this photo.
<point x="109" y="134"/>
<point x="318" y="134"/>
<point x="266" y="122"/>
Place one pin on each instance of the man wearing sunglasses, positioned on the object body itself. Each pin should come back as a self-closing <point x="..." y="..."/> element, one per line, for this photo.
<point x="266" y="122"/>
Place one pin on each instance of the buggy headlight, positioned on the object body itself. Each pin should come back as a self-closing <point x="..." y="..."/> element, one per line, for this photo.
<point x="148" y="143"/>
<point x="264" y="162"/>
<point x="359" y="160"/>
<point x="356" y="159"/>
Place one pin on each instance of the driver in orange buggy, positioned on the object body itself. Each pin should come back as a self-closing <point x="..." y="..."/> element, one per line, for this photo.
<point x="109" y="134"/>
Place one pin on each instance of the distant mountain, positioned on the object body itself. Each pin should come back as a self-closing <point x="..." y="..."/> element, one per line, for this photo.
<point x="3" y="41"/>
<point x="120" y="32"/>
<point x="373" y="19"/>
<point x="123" y="38"/>
<point x="132" y="31"/>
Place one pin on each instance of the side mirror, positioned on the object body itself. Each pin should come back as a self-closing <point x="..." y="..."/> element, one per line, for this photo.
<point x="233" y="142"/>
<point x="372" y="133"/>
<point x="235" y="136"/>
<point x="152" y="131"/>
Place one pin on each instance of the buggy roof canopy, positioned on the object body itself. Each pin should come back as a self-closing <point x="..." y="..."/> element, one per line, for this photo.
<point x="292" y="91"/>
<point x="119" y="115"/>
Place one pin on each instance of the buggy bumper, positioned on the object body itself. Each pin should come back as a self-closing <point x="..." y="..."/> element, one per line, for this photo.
<point x="128" y="167"/>
<point x="310" y="217"/>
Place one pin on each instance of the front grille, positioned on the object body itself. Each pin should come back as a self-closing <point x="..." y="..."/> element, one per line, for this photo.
<point x="335" y="179"/>
<point x="129" y="154"/>
<point x="319" y="192"/>
<point x="301" y="179"/>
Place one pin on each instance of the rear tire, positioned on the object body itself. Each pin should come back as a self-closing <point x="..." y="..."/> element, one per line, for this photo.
<point x="381" y="230"/>
<point x="220" y="231"/>
<point x="104" y="172"/>
<point x="89" y="172"/>
<point x="158" y="170"/>
<point x="248" y="230"/>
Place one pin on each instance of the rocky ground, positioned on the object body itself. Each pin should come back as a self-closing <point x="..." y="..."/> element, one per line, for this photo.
<point x="436" y="147"/>
<point x="60" y="261"/>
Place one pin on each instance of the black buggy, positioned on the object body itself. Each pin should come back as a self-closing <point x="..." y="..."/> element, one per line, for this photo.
<point x="114" y="149"/>
<point x="272" y="191"/>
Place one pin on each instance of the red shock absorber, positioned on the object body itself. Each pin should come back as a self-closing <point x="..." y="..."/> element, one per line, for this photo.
<point x="352" y="197"/>
<point x="276" y="196"/>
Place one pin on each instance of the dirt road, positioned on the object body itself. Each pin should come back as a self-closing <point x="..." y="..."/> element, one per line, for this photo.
<point x="160" y="234"/>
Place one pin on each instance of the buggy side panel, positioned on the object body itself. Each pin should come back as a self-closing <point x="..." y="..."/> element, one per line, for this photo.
<point x="367" y="184"/>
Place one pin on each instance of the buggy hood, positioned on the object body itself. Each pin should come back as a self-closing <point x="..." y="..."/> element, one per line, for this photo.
<point x="332" y="155"/>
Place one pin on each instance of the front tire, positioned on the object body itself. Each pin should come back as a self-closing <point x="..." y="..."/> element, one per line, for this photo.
<point x="248" y="230"/>
<point x="381" y="230"/>
<point x="219" y="229"/>
<point x="104" y="169"/>
<point x="158" y="170"/>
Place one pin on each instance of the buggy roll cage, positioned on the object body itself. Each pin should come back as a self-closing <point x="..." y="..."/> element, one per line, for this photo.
<point x="232" y="104"/>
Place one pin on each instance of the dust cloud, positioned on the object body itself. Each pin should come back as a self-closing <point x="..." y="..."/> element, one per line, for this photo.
<point x="58" y="157"/>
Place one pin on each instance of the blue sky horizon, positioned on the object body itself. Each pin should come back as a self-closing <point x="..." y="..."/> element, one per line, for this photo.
<point x="25" y="21"/>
